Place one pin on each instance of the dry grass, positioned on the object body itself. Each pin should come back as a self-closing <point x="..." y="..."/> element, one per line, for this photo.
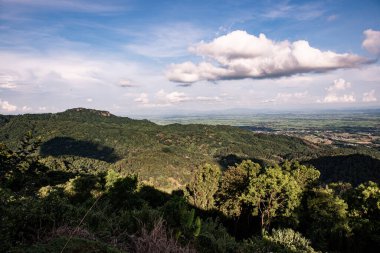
<point x="157" y="240"/>
<point x="74" y="232"/>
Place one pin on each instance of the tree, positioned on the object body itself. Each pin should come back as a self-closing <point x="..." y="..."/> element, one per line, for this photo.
<point x="16" y="167"/>
<point x="233" y="184"/>
<point x="272" y="193"/>
<point x="327" y="217"/>
<point x="366" y="200"/>
<point x="364" y="212"/>
<point x="203" y="186"/>
<point x="306" y="176"/>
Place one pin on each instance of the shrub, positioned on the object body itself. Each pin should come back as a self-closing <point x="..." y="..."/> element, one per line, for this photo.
<point x="157" y="240"/>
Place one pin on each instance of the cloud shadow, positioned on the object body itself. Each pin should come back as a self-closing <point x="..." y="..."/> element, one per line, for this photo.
<point x="61" y="146"/>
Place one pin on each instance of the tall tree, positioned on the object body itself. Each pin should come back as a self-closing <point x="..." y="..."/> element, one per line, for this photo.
<point x="203" y="186"/>
<point x="272" y="193"/>
<point x="234" y="183"/>
<point x="364" y="212"/>
<point x="327" y="219"/>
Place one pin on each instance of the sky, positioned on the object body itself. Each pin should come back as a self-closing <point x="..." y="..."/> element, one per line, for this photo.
<point x="146" y="57"/>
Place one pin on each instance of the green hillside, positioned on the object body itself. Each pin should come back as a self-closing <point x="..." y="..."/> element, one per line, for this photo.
<point x="165" y="156"/>
<point x="68" y="184"/>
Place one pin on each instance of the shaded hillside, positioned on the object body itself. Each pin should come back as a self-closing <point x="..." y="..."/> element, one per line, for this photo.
<point x="354" y="169"/>
<point x="163" y="155"/>
<point x="62" y="146"/>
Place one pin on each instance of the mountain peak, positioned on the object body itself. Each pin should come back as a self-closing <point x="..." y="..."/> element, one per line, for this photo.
<point x="81" y="110"/>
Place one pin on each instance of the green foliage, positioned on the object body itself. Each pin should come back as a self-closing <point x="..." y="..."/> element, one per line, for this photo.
<point x="281" y="240"/>
<point x="233" y="184"/>
<point x="19" y="167"/>
<point x="215" y="238"/>
<point x="123" y="191"/>
<point x="272" y="193"/>
<point x="183" y="219"/>
<point x="327" y="219"/>
<point x="352" y="168"/>
<point x="26" y="219"/>
<point x="366" y="199"/>
<point x="203" y="186"/>
<point x="306" y="176"/>
<point x="82" y="188"/>
<point x="217" y="212"/>
<point x="364" y="213"/>
<point x="87" y="140"/>
<point x="290" y="240"/>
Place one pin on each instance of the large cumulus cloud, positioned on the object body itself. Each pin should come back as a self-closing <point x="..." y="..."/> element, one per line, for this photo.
<point x="240" y="55"/>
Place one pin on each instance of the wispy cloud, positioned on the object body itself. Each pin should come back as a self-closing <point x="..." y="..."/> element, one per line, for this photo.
<point x="165" y="40"/>
<point x="295" y="11"/>
<point x="287" y="97"/>
<point x="68" y="5"/>
<point x="163" y="98"/>
<point x="67" y="68"/>
<point x="142" y="98"/>
<point x="7" y="81"/>
<point x="332" y="18"/>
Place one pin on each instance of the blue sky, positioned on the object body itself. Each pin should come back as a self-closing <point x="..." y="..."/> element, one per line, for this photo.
<point x="153" y="57"/>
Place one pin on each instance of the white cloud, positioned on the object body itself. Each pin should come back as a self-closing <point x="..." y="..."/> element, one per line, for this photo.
<point x="289" y="97"/>
<point x="89" y="100"/>
<point x="333" y="98"/>
<point x="7" y="81"/>
<point x="172" y="97"/>
<point x="339" y="84"/>
<point x="239" y="55"/>
<point x="372" y="41"/>
<point x="26" y="108"/>
<point x="61" y="71"/>
<point x="369" y="96"/>
<point x="334" y="93"/>
<point x="163" y="98"/>
<point x="142" y="98"/>
<point x="6" y="106"/>
<point x="208" y="99"/>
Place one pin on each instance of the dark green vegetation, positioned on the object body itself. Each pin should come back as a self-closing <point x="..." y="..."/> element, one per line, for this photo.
<point x="165" y="156"/>
<point x="87" y="181"/>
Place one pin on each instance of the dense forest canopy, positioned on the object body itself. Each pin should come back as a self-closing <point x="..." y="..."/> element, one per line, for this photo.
<point x="166" y="155"/>
<point x="88" y="181"/>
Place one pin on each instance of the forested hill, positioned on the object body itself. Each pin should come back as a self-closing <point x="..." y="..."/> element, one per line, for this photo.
<point x="86" y="139"/>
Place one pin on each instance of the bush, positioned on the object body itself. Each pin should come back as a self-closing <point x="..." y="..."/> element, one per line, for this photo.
<point x="215" y="238"/>
<point x="290" y="240"/>
<point x="281" y="240"/>
<point x="157" y="240"/>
